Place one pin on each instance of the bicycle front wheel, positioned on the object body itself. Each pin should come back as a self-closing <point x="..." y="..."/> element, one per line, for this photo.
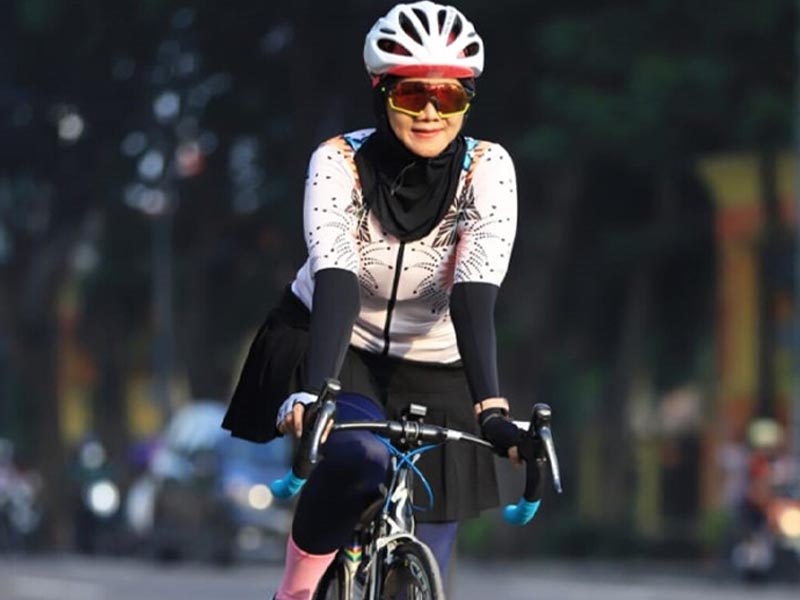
<point x="412" y="574"/>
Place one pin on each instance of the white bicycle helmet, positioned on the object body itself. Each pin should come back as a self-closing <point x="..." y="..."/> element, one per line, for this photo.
<point x="423" y="39"/>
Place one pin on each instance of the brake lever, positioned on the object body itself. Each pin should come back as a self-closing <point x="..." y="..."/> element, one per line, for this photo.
<point x="323" y="411"/>
<point x="325" y="415"/>
<point x="540" y="436"/>
<point x="307" y="454"/>
<point x="541" y="423"/>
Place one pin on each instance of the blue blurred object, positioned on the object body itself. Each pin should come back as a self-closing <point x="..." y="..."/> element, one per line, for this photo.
<point x="205" y="494"/>
<point x="287" y="486"/>
<point x="21" y="503"/>
<point x="521" y="513"/>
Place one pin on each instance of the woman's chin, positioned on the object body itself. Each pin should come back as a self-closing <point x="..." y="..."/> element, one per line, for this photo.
<point x="426" y="147"/>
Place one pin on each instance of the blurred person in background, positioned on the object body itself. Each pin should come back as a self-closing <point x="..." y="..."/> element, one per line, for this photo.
<point x="21" y="502"/>
<point x="768" y="542"/>
<point x="769" y="470"/>
<point x="409" y="228"/>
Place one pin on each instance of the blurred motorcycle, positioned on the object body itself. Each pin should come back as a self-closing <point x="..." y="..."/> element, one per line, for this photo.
<point x="769" y="543"/>
<point x="772" y="550"/>
<point x="97" y="519"/>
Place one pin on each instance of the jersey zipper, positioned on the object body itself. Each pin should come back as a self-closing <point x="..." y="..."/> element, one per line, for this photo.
<point x="393" y="298"/>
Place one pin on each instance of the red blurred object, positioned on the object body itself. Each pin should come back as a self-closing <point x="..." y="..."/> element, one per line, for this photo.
<point x="189" y="158"/>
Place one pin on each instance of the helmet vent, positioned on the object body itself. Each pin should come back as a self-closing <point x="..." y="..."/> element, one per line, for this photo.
<point x="441" y="17"/>
<point x="472" y="49"/>
<point x="456" y="30"/>
<point x="423" y="19"/>
<point x="387" y="30"/>
<point x="393" y="47"/>
<point x="408" y="28"/>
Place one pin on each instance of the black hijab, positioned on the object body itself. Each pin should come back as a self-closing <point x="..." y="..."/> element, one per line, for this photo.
<point x="409" y="194"/>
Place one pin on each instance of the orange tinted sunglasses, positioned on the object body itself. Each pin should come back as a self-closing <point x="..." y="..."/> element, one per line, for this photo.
<point x="411" y="98"/>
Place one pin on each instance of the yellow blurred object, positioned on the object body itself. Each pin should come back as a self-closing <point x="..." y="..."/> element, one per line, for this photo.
<point x="765" y="434"/>
<point x="260" y="497"/>
<point x="785" y="517"/>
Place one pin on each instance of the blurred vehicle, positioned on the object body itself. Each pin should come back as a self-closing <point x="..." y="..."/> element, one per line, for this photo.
<point x="98" y="527"/>
<point x="205" y="494"/>
<point x="768" y="545"/>
<point x="21" y="511"/>
<point x="773" y="549"/>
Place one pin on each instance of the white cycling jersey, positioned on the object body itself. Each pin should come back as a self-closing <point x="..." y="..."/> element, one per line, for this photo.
<point x="405" y="286"/>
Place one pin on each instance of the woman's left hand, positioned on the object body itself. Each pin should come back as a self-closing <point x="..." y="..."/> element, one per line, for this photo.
<point x="501" y="432"/>
<point x="514" y="457"/>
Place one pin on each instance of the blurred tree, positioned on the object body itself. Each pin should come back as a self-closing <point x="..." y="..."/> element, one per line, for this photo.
<point x="49" y="200"/>
<point x="624" y="96"/>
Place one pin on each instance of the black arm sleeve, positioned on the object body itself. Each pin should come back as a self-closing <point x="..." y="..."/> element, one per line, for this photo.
<point x="472" y="310"/>
<point x="335" y="308"/>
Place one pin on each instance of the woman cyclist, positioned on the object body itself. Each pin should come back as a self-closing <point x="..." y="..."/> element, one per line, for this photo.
<point x="409" y="228"/>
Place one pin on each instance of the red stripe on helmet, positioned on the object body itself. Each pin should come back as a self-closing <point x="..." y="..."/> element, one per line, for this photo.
<point x="442" y="71"/>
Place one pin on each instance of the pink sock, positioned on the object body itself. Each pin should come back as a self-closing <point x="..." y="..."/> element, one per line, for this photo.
<point x="302" y="572"/>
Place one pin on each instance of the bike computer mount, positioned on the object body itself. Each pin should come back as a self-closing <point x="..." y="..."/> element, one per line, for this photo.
<point x="412" y="419"/>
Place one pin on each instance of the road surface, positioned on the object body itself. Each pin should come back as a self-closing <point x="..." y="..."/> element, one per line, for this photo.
<point x="82" y="578"/>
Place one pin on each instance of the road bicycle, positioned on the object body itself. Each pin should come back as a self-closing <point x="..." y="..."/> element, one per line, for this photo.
<point x="385" y="560"/>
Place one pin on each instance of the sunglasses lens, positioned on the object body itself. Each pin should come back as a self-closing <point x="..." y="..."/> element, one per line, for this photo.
<point x="413" y="96"/>
<point x="451" y="98"/>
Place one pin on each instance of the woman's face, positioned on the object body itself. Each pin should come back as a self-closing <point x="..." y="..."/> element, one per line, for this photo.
<point x="426" y="134"/>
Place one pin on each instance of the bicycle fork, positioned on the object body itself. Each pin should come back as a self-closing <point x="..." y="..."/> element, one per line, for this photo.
<point x="360" y="569"/>
<point x="353" y="555"/>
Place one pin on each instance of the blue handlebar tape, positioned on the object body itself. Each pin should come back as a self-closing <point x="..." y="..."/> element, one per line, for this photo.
<point x="522" y="512"/>
<point x="287" y="486"/>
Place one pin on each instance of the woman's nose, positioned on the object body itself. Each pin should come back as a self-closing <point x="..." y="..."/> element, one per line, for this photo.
<point x="429" y="112"/>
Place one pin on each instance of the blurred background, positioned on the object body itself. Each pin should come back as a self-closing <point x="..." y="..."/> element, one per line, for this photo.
<point x="151" y="172"/>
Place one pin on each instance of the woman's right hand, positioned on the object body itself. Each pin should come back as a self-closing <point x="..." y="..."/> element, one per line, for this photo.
<point x="292" y="411"/>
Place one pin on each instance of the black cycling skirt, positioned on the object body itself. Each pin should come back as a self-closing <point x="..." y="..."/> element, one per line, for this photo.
<point x="462" y="476"/>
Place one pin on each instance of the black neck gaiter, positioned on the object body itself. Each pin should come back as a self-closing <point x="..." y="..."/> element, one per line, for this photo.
<point x="409" y="194"/>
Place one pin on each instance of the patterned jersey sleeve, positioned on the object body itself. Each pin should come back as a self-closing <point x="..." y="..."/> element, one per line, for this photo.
<point x="329" y="211"/>
<point x="487" y="218"/>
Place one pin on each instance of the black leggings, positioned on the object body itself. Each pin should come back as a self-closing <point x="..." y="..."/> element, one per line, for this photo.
<point x="346" y="482"/>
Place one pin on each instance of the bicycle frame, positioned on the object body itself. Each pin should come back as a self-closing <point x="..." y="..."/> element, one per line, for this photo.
<point x="393" y="523"/>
